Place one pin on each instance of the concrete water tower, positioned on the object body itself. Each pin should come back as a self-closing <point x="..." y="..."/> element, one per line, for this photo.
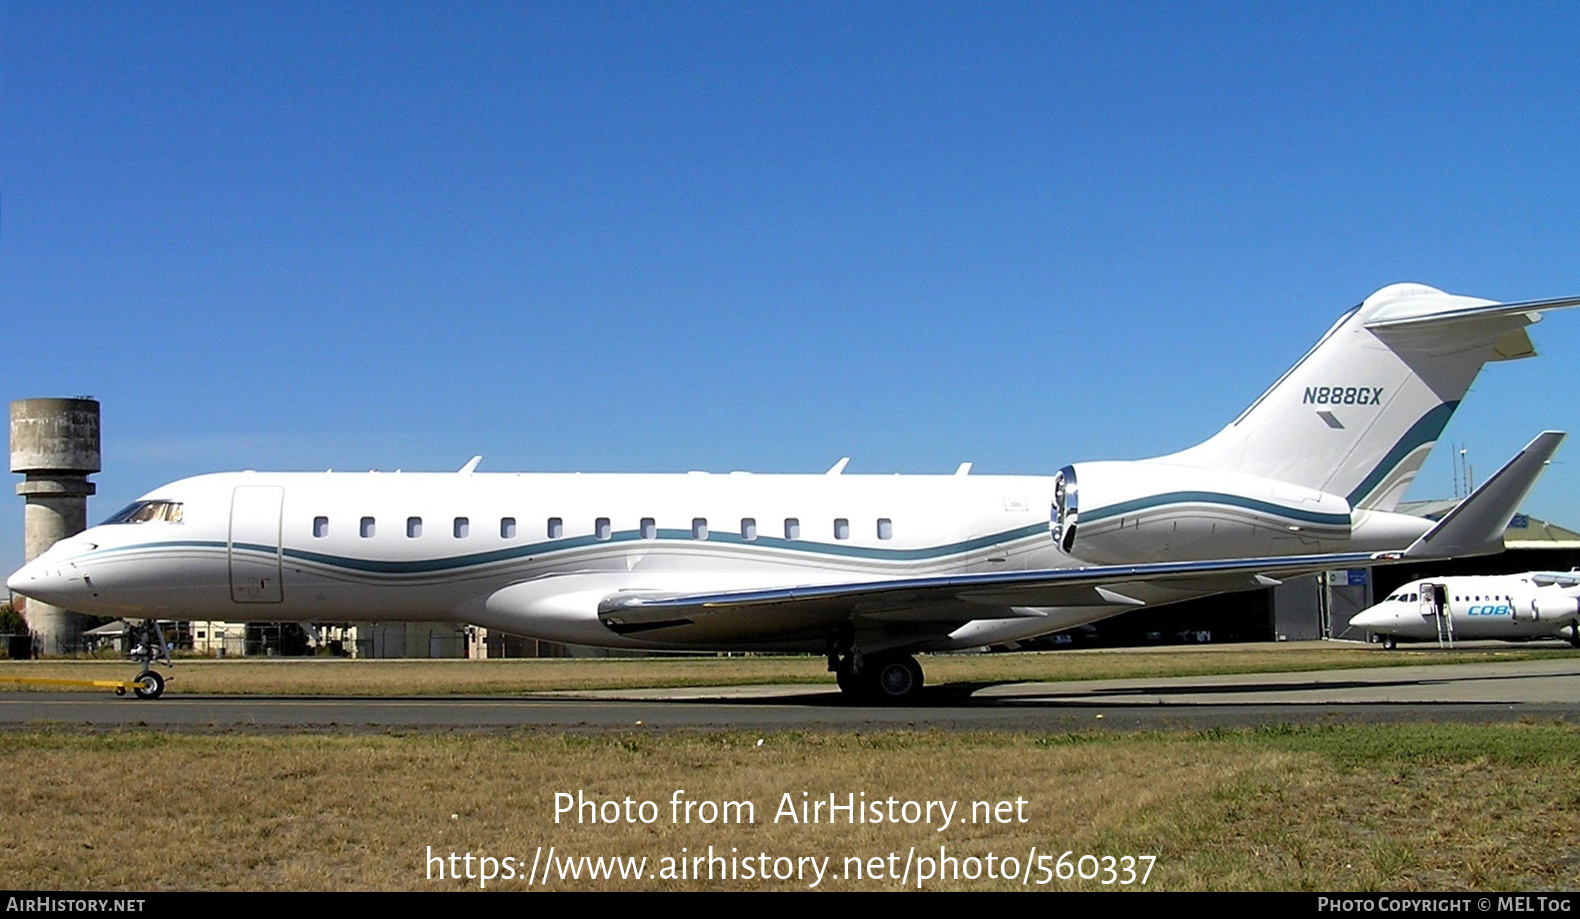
<point x="55" y="443"/>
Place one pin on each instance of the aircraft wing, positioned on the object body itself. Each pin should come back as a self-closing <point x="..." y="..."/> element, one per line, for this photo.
<point x="1475" y="526"/>
<point x="944" y="599"/>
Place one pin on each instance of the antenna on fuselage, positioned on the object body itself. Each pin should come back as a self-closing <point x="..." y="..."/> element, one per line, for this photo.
<point x="838" y="467"/>
<point x="471" y="466"/>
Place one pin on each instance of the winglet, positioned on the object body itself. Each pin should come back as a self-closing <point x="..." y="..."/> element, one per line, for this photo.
<point x="1475" y="526"/>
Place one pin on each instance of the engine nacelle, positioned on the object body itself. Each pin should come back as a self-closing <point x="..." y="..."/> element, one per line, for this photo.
<point x="1551" y="604"/>
<point x="1125" y="512"/>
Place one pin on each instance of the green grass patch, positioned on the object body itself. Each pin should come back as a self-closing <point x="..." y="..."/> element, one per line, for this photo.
<point x="1344" y="808"/>
<point x="1553" y="745"/>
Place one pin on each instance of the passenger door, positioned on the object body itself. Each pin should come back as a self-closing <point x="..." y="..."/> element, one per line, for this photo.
<point x="254" y="546"/>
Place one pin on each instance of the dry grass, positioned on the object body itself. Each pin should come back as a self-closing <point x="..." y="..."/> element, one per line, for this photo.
<point x="324" y="676"/>
<point x="1320" y="808"/>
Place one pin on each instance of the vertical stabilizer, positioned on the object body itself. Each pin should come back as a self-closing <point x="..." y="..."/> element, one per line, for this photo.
<point x="1358" y="414"/>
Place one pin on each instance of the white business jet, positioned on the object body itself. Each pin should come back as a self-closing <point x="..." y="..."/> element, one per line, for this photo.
<point x="1508" y="607"/>
<point x="868" y="570"/>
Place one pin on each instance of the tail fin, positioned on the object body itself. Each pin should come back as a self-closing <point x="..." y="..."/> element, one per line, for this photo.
<point x="1358" y="414"/>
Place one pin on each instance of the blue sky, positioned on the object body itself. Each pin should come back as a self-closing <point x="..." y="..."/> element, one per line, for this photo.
<point x="670" y="236"/>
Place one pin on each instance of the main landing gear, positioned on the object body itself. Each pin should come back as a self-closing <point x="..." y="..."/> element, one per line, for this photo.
<point x="882" y="679"/>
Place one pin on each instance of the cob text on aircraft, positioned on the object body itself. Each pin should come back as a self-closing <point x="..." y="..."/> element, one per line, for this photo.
<point x="868" y="570"/>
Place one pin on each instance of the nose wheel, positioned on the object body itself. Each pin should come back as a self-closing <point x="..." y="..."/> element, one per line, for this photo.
<point x="148" y="645"/>
<point x="150" y="685"/>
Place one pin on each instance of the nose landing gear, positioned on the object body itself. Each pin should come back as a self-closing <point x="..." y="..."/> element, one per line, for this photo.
<point x="150" y="684"/>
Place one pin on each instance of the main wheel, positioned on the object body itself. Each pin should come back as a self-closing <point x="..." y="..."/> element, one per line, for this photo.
<point x="1389" y="642"/>
<point x="896" y="679"/>
<point x="150" y="685"/>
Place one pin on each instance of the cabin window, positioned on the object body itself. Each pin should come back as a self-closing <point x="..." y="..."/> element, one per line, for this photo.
<point x="841" y="528"/>
<point x="463" y="527"/>
<point x="507" y="528"/>
<point x="699" y="528"/>
<point x="649" y="528"/>
<point x="556" y="528"/>
<point x="320" y="527"/>
<point x="885" y="528"/>
<point x="413" y="527"/>
<point x="792" y="528"/>
<point x="748" y="528"/>
<point x="366" y="528"/>
<point x="601" y="528"/>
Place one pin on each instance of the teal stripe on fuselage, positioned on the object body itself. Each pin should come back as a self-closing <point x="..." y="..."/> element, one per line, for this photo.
<point x="1423" y="432"/>
<point x="1209" y="497"/>
<point x="667" y="538"/>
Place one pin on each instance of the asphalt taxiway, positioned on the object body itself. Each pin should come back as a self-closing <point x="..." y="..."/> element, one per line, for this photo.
<point x="1536" y="690"/>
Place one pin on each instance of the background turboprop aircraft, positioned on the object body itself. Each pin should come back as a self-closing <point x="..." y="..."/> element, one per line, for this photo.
<point x="868" y="570"/>
<point x="1509" y="607"/>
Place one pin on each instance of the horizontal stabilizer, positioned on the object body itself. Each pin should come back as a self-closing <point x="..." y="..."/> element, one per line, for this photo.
<point x="1475" y="526"/>
<point x="1428" y="311"/>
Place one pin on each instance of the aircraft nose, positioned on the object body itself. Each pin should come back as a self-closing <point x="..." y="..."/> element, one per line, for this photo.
<point x="17" y="580"/>
<point x="48" y="581"/>
<point x="1369" y="618"/>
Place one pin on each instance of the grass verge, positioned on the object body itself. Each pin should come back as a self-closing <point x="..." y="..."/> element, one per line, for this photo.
<point x="1429" y="807"/>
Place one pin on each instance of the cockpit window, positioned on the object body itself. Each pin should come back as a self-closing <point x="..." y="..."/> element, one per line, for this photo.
<point x="147" y="512"/>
